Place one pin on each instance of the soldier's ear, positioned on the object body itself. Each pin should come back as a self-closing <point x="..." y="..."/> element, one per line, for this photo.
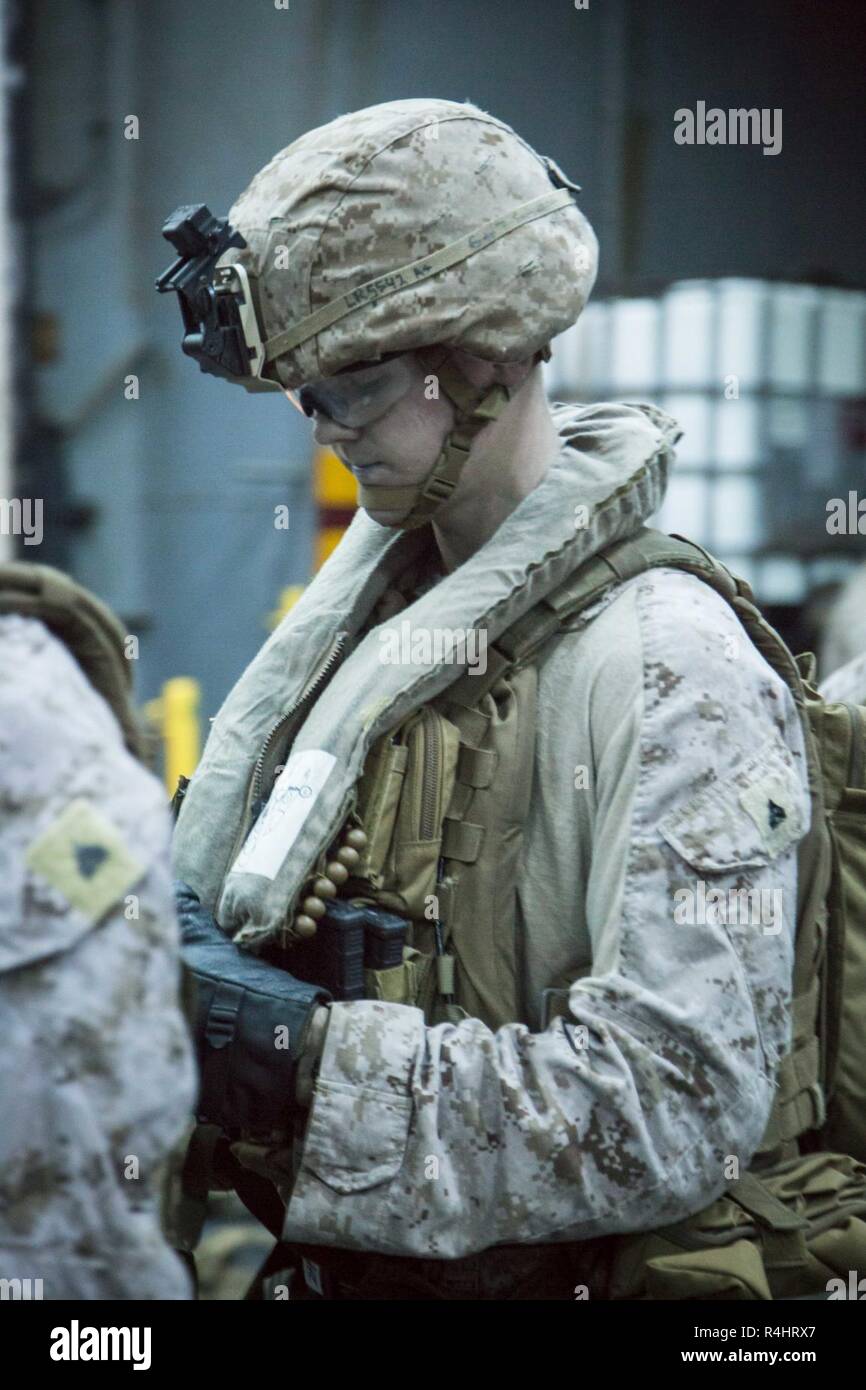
<point x="482" y="372"/>
<point x="513" y="374"/>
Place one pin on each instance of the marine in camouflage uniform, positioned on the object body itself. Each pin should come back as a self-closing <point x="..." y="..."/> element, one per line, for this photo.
<point x="96" y="1070"/>
<point x="438" y="1140"/>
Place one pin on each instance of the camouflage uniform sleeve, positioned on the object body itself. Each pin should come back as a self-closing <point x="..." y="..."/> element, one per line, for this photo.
<point x="621" y="1117"/>
<point x="96" y="1072"/>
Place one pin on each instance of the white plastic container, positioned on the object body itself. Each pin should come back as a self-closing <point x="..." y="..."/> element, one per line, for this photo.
<point x="768" y="383"/>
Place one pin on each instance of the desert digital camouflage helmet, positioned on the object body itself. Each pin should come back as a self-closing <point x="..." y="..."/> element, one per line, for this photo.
<point x="407" y="226"/>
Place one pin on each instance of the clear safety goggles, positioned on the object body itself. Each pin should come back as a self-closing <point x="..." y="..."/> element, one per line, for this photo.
<point x="357" y="396"/>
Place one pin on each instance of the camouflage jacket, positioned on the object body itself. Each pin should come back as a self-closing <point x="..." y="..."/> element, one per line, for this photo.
<point x="662" y="738"/>
<point x="96" y="1073"/>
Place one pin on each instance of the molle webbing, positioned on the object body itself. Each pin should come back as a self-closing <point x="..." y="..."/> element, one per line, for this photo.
<point x="482" y="840"/>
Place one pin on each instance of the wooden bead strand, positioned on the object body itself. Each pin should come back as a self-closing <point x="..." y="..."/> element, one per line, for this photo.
<point x="327" y="884"/>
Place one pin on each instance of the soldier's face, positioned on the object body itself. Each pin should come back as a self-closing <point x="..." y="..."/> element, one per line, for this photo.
<point x="386" y="422"/>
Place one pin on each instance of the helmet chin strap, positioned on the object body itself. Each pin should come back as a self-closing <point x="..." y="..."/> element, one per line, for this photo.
<point x="474" y="408"/>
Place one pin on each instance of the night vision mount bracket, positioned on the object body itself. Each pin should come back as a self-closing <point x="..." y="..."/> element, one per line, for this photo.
<point x="221" y="329"/>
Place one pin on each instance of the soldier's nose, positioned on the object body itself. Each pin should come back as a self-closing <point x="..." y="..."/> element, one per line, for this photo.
<point x="328" y="431"/>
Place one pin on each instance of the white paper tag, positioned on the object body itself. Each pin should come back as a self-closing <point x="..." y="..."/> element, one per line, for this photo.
<point x="280" y="823"/>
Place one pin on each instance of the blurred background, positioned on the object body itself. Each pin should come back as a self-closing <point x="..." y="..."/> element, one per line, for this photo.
<point x="731" y="288"/>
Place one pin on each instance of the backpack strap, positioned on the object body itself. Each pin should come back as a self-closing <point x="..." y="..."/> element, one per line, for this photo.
<point x="524" y="639"/>
<point x="840" y="733"/>
<point x="623" y="560"/>
<point x="85" y="626"/>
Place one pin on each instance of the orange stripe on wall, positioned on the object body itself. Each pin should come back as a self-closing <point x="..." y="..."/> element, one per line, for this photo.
<point x="327" y="539"/>
<point x="333" y="484"/>
<point x="336" y="496"/>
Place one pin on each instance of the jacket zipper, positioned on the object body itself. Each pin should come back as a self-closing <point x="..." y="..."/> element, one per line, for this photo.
<point x="430" y="784"/>
<point x="279" y="727"/>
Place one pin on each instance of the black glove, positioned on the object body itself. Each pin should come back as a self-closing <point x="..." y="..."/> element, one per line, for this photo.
<point x="250" y="1025"/>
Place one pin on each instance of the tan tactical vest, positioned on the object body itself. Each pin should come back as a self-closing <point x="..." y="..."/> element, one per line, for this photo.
<point x="444" y="799"/>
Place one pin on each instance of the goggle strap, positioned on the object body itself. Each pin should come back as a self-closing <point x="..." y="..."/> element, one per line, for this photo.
<point x="475" y="409"/>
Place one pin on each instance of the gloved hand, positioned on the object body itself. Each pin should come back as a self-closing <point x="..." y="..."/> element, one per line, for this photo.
<point x="250" y="1025"/>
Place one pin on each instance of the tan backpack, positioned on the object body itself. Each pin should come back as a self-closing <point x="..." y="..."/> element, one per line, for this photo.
<point x="85" y="626"/>
<point x="795" y="1223"/>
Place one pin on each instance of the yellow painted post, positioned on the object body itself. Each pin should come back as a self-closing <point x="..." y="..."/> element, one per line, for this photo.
<point x="336" y="494"/>
<point x="181" y="728"/>
<point x="285" y="603"/>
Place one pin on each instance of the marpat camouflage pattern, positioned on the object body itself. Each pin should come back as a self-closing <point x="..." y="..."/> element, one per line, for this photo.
<point x="361" y="198"/>
<point x="96" y="1073"/>
<point x="444" y="1140"/>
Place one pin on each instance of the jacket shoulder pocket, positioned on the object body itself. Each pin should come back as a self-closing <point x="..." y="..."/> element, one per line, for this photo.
<point x="744" y="820"/>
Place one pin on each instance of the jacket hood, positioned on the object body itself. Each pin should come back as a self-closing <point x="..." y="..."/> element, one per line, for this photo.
<point x="613" y="466"/>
